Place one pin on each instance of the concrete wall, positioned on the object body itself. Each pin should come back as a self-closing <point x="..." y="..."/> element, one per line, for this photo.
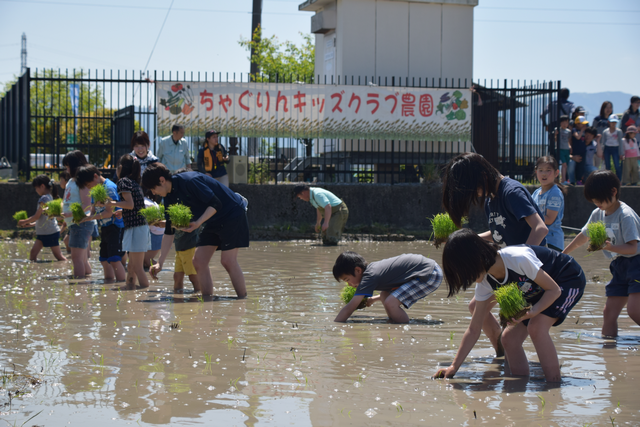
<point x="414" y="39"/>
<point x="397" y="206"/>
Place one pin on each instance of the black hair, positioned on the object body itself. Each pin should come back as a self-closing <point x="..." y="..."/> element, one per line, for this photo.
<point x="603" y="106"/>
<point x="85" y="175"/>
<point x="346" y="263"/>
<point x="563" y="118"/>
<point x="547" y="160"/>
<point x="593" y="131"/>
<point x="149" y="195"/>
<point x="152" y="174"/>
<point x="600" y="186"/>
<point x="129" y="168"/>
<point x="463" y="176"/>
<point x="299" y="188"/>
<point x="47" y="182"/>
<point x="564" y="93"/>
<point x="64" y="175"/>
<point x="634" y="98"/>
<point x="176" y="128"/>
<point x="140" y="138"/>
<point x="465" y="257"/>
<point x="74" y="160"/>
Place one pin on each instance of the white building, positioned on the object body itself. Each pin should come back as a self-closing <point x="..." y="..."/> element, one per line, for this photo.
<point x="399" y="38"/>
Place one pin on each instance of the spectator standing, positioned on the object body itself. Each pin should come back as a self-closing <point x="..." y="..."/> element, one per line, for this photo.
<point x="140" y="150"/>
<point x="630" y="171"/>
<point x="613" y="146"/>
<point x="555" y="109"/>
<point x="564" y="136"/>
<point x="578" y="151"/>
<point x="212" y="158"/>
<point x="631" y="117"/>
<point x="601" y="122"/>
<point x="173" y="151"/>
<point x="591" y="147"/>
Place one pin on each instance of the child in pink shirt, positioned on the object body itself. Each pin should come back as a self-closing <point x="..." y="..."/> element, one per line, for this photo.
<point x="630" y="169"/>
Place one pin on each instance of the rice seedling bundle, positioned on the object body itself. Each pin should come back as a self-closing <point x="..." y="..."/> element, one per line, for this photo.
<point x="442" y="226"/>
<point x="512" y="303"/>
<point x="180" y="215"/>
<point x="77" y="212"/>
<point x="20" y="215"/>
<point x="153" y="214"/>
<point x="99" y="194"/>
<point x="53" y="208"/>
<point x="597" y="233"/>
<point x="347" y="293"/>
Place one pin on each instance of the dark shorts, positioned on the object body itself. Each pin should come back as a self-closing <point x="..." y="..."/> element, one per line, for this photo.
<point x="111" y="243"/>
<point x="95" y="233"/>
<point x="230" y="234"/>
<point x="555" y="248"/>
<point x="564" y="156"/>
<point x="572" y="291"/>
<point x="626" y="273"/>
<point x="49" y="240"/>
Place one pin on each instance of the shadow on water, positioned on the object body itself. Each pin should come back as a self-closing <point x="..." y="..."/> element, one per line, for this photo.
<point x="385" y="320"/>
<point x="193" y="299"/>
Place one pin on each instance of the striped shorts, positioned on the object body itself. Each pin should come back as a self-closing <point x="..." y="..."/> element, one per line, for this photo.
<point x="418" y="288"/>
<point x="571" y="293"/>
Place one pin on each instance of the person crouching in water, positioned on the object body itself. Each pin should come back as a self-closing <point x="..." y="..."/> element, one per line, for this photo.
<point x="328" y="206"/>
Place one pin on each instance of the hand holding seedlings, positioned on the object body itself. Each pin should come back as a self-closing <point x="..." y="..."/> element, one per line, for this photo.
<point x="513" y="307"/>
<point x="597" y="233"/>
<point x="347" y="293"/>
<point x="442" y="226"/>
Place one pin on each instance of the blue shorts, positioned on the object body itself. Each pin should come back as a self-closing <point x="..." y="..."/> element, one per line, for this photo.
<point x="572" y="291"/>
<point x="418" y="288"/>
<point x="49" y="240"/>
<point x="79" y="235"/>
<point x="136" y="239"/>
<point x="156" y="241"/>
<point x="95" y="233"/>
<point x="564" y="156"/>
<point x="626" y="273"/>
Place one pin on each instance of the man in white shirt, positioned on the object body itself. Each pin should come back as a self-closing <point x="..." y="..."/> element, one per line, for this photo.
<point x="173" y="151"/>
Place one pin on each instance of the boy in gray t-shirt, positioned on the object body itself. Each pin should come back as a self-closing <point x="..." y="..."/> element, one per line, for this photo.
<point x="401" y="280"/>
<point x="623" y="232"/>
<point x="564" y="137"/>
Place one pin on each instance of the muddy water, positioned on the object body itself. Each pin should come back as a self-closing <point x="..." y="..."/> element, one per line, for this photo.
<point x="83" y="352"/>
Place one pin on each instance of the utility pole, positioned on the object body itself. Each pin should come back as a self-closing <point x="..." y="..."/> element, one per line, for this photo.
<point x="23" y="55"/>
<point x="255" y="23"/>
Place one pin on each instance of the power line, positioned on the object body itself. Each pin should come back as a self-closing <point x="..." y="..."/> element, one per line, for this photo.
<point x="60" y="3"/>
<point x="557" y="10"/>
<point x="158" y="38"/>
<point x="551" y="22"/>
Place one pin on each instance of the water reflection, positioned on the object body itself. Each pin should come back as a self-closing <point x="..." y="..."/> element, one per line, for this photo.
<point x="277" y="358"/>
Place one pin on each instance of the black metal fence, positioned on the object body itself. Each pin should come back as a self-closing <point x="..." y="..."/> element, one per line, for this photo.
<point x="49" y="113"/>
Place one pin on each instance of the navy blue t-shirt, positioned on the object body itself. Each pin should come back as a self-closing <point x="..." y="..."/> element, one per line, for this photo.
<point x="199" y="191"/>
<point x="507" y="212"/>
<point x="578" y="146"/>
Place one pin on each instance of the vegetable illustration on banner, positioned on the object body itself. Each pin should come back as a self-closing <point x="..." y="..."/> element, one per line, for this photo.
<point x="316" y="111"/>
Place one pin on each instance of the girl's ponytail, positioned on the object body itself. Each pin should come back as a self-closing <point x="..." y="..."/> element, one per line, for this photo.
<point x="46" y="181"/>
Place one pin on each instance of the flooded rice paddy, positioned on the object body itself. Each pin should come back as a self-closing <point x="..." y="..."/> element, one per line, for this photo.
<point x="73" y="353"/>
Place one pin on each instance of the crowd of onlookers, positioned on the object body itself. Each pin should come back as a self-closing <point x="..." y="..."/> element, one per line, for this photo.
<point x="608" y="142"/>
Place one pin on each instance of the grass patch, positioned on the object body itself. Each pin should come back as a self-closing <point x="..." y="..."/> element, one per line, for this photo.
<point x="442" y="226"/>
<point x="153" y="214"/>
<point x="77" y="212"/>
<point x="347" y="293"/>
<point x="99" y="194"/>
<point x="20" y="215"/>
<point x="180" y="215"/>
<point x="53" y="208"/>
<point x="512" y="303"/>
<point x="597" y="233"/>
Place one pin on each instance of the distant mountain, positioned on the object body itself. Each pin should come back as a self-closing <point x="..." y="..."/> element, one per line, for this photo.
<point x="593" y="101"/>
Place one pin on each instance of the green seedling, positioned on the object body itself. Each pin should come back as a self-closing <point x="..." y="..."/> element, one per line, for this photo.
<point x="53" y="208"/>
<point x="542" y="402"/>
<point x="442" y="226"/>
<point x="597" y="233"/>
<point x="153" y="214"/>
<point x="180" y="215"/>
<point x="20" y="215"/>
<point x="99" y="194"/>
<point x="451" y="336"/>
<point x="347" y="293"/>
<point x="77" y="212"/>
<point x="512" y="303"/>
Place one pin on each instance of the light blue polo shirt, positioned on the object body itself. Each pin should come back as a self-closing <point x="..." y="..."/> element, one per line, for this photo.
<point x="553" y="200"/>
<point x="173" y="156"/>
<point x="320" y="198"/>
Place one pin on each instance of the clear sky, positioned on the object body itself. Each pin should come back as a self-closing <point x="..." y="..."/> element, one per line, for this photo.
<point x="590" y="45"/>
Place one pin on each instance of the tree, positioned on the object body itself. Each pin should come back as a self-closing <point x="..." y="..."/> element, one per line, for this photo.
<point x="286" y="60"/>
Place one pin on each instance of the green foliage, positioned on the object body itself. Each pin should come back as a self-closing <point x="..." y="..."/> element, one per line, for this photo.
<point x="442" y="226"/>
<point x="286" y="60"/>
<point x="153" y="214"/>
<point x="180" y="215"/>
<point x="511" y="301"/>
<point x="347" y="293"/>
<point x="597" y="233"/>
<point x="99" y="193"/>
<point x="20" y="215"/>
<point x="259" y="173"/>
<point x="54" y="208"/>
<point x="77" y="212"/>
